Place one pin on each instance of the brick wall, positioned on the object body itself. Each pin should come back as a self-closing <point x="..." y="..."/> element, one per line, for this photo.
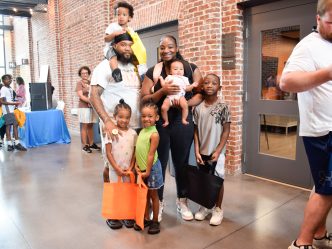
<point x="69" y="36"/>
<point x="74" y="31"/>
<point x="232" y="80"/>
<point x="20" y="49"/>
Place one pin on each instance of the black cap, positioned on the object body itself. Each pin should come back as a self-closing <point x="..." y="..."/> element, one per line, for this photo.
<point x="123" y="37"/>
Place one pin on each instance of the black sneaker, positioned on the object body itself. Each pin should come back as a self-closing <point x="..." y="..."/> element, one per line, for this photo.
<point x="114" y="224"/>
<point x="87" y="149"/>
<point x="154" y="228"/>
<point x="10" y="148"/>
<point x="95" y="147"/>
<point x="147" y="223"/>
<point x="20" y="147"/>
<point x="116" y="74"/>
<point x="129" y="223"/>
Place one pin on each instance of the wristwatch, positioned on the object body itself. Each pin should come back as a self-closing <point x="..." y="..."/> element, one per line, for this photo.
<point x="115" y="132"/>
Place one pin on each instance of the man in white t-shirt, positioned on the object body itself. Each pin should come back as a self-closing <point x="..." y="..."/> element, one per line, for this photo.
<point x="106" y="93"/>
<point x="309" y="72"/>
<point x="8" y="106"/>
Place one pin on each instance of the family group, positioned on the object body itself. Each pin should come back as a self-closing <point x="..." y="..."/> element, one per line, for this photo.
<point x="146" y="114"/>
<point x="174" y="105"/>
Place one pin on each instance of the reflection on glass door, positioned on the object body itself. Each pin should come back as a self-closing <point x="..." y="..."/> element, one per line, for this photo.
<point x="278" y="136"/>
<point x="277" y="45"/>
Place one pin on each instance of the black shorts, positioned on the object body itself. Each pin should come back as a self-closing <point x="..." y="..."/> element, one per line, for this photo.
<point x="319" y="153"/>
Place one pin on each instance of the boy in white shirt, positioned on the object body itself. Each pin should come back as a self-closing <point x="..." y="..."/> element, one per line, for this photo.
<point x="8" y="106"/>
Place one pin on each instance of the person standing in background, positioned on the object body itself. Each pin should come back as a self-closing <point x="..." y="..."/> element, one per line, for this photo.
<point x="309" y="73"/>
<point x="8" y="106"/>
<point x="86" y="115"/>
<point x="3" y="128"/>
<point x="20" y="91"/>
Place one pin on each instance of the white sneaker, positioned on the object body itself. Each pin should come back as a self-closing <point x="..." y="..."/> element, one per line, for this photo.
<point x="160" y="213"/>
<point x="217" y="216"/>
<point x="292" y="246"/>
<point x="161" y="209"/>
<point x="201" y="213"/>
<point x="183" y="209"/>
<point x="325" y="242"/>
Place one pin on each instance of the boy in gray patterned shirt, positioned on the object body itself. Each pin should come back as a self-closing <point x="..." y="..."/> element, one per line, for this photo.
<point x="212" y="127"/>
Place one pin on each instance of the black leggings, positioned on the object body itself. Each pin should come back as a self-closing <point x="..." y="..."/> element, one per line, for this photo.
<point x="2" y="131"/>
<point x="177" y="137"/>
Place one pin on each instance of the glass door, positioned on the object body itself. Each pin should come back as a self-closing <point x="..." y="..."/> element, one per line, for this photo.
<point x="273" y="148"/>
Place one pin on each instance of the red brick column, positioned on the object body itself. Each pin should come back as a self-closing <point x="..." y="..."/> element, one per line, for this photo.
<point x="31" y="54"/>
<point x="232" y="22"/>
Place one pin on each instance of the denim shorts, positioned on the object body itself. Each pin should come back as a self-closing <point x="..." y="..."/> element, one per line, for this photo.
<point x="155" y="179"/>
<point x="319" y="153"/>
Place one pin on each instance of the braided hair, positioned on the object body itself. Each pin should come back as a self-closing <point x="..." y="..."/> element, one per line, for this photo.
<point x="150" y="104"/>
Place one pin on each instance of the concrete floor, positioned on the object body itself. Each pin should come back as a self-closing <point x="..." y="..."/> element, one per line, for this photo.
<point x="50" y="198"/>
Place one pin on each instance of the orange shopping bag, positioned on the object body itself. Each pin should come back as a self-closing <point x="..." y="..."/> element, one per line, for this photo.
<point x="125" y="200"/>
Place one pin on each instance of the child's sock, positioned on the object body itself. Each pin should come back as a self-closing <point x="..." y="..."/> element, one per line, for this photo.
<point x="9" y="143"/>
<point x="17" y="141"/>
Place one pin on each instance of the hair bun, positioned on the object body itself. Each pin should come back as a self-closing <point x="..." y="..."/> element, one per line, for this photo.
<point x="121" y="101"/>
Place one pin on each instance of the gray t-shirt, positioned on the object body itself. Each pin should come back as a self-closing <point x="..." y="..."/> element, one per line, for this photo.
<point x="209" y="120"/>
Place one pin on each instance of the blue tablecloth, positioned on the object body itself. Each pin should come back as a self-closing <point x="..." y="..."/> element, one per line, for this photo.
<point x="44" y="127"/>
